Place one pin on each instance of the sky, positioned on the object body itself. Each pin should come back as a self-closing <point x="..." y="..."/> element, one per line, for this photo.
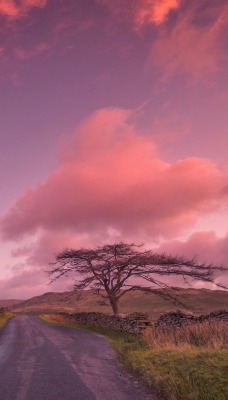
<point x="113" y="127"/>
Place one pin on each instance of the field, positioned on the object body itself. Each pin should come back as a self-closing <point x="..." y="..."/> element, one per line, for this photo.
<point x="189" y="364"/>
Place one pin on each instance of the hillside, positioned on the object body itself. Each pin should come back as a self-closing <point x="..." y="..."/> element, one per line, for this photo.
<point x="10" y="302"/>
<point x="197" y="301"/>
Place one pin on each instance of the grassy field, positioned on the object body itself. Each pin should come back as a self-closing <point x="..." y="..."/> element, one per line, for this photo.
<point x="190" y="365"/>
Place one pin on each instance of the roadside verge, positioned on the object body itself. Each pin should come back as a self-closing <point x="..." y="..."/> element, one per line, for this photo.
<point x="177" y="371"/>
<point x="5" y="315"/>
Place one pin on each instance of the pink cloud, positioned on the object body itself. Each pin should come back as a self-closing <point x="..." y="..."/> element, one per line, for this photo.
<point x="29" y="282"/>
<point x="42" y="250"/>
<point x="8" y="8"/>
<point x="32" y="279"/>
<point x="142" y="12"/>
<point x="16" y="9"/>
<point x="153" y="11"/>
<point x="191" y="44"/>
<point x="29" y="278"/>
<point x="191" y="48"/>
<point x="37" y="50"/>
<point x="207" y="246"/>
<point x="114" y="178"/>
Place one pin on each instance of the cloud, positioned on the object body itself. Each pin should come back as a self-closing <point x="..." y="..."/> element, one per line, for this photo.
<point x="153" y="11"/>
<point x="191" y="43"/>
<point x="141" y="12"/>
<point x="16" y="9"/>
<point x="22" y="54"/>
<point x="29" y="277"/>
<point x="41" y="251"/>
<point x="206" y="246"/>
<point x="192" y="46"/>
<point x="28" y="282"/>
<point x="114" y="179"/>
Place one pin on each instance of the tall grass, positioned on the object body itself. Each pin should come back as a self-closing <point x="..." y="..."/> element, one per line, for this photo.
<point x="207" y="335"/>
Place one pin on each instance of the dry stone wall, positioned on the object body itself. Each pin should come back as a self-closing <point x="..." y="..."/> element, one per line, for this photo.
<point x="135" y="323"/>
<point x="180" y="319"/>
<point x="132" y="323"/>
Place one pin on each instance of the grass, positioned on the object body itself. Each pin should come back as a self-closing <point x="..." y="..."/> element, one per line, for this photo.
<point x="4" y="318"/>
<point x="117" y="339"/>
<point x="3" y="321"/>
<point x="190" y="363"/>
<point x="210" y="335"/>
<point x="184" y="374"/>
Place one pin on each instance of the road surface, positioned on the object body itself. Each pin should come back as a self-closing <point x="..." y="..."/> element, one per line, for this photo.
<point x="40" y="361"/>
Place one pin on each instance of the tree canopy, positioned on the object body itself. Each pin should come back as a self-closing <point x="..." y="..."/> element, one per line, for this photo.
<point x="115" y="269"/>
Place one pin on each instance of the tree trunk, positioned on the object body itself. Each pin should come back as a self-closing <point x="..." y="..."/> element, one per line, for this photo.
<point x="114" y="305"/>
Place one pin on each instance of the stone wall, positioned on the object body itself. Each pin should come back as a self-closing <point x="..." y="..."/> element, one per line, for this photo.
<point x="180" y="319"/>
<point x="137" y="322"/>
<point x="132" y="323"/>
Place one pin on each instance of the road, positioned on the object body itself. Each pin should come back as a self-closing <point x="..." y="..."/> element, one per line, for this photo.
<point x="40" y="361"/>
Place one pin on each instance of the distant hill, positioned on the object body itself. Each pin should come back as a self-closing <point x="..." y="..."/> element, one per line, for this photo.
<point x="8" y="303"/>
<point x="196" y="301"/>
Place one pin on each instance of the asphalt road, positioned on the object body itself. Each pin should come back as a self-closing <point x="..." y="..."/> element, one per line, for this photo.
<point x="39" y="361"/>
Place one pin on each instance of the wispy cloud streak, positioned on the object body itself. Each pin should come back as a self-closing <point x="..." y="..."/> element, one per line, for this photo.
<point x="15" y="9"/>
<point x="192" y="46"/>
<point x="153" y="11"/>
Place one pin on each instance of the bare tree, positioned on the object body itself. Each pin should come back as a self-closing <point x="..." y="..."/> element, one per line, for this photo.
<point x="110" y="270"/>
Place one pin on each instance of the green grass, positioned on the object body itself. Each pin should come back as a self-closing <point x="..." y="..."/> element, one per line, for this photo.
<point x="177" y="373"/>
<point x="183" y="374"/>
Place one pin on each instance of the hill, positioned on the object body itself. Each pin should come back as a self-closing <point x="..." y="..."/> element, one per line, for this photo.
<point x="10" y="302"/>
<point x="196" y="301"/>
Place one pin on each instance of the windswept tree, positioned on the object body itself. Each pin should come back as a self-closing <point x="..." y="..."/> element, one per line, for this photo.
<point x="115" y="269"/>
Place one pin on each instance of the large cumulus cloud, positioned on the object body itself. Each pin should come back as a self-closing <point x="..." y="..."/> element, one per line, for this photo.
<point x="114" y="178"/>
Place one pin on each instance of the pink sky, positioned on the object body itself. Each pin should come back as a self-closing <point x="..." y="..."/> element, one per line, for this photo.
<point x="113" y="127"/>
